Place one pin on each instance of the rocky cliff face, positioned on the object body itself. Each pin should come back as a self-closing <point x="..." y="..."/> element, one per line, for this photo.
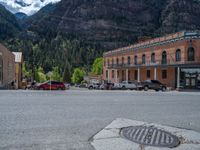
<point x="105" y="22"/>
<point x="180" y="15"/>
<point x="114" y="23"/>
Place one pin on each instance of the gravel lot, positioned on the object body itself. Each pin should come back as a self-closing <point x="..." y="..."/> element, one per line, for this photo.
<point x="35" y="120"/>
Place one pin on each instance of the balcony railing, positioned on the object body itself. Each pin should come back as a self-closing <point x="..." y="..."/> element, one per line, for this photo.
<point x="156" y="63"/>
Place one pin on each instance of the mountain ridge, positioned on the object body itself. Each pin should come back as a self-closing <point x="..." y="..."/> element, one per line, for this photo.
<point x="8" y="24"/>
<point x="72" y="34"/>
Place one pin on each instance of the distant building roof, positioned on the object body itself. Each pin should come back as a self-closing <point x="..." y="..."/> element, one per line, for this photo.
<point x="18" y="57"/>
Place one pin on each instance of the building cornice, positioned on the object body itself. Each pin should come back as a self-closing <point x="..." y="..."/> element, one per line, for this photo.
<point x="168" y="39"/>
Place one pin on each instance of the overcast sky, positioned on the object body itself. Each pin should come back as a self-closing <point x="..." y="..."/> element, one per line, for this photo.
<point x="29" y="6"/>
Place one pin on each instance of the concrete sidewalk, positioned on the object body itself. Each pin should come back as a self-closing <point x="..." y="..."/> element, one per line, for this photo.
<point x="110" y="138"/>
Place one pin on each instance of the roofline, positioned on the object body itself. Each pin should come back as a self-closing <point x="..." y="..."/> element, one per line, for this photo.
<point x="152" y="42"/>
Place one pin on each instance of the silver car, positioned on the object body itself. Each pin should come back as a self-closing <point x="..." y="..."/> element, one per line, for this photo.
<point x="128" y="85"/>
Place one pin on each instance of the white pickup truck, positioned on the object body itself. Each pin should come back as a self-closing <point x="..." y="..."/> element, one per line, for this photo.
<point x="128" y="85"/>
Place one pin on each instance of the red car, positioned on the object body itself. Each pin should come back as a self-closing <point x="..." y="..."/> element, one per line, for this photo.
<point x="51" y="85"/>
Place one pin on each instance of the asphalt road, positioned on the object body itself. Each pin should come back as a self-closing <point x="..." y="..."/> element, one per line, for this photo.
<point x="34" y="120"/>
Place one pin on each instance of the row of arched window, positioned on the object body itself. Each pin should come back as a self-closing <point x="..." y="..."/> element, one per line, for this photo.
<point x="190" y="53"/>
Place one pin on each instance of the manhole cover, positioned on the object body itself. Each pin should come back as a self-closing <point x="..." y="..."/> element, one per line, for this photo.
<point x="150" y="136"/>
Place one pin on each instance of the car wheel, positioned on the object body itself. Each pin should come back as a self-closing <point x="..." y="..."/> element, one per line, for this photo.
<point x="163" y="89"/>
<point x="146" y="88"/>
<point x="123" y="88"/>
<point x="90" y="88"/>
<point x="41" y="88"/>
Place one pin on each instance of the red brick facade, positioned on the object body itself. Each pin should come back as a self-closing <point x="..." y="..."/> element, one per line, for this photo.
<point x="161" y="57"/>
<point x="7" y="66"/>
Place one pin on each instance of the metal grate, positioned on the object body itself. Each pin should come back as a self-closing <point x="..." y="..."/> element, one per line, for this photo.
<point x="150" y="136"/>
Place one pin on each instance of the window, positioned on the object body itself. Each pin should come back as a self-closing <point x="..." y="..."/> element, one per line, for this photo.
<point x="143" y="59"/>
<point x="136" y="74"/>
<point x="191" y="54"/>
<point x="155" y="81"/>
<point x="112" y="62"/>
<point x="153" y="57"/>
<point x="106" y="73"/>
<point x="108" y="62"/>
<point x="164" y="57"/>
<point x="135" y="60"/>
<point x="164" y="74"/>
<point x="178" y="55"/>
<point x="148" y="73"/>
<point x="122" y="75"/>
<point x="113" y="74"/>
<point x="104" y="62"/>
<point x="122" y="60"/>
<point x="117" y="61"/>
<point x="129" y="60"/>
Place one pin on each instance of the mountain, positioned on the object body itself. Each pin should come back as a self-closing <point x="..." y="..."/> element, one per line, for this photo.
<point x="72" y="34"/>
<point x="180" y="15"/>
<point x="28" y="7"/>
<point x="107" y="23"/>
<point x="21" y="16"/>
<point x="8" y="24"/>
<point x="112" y="24"/>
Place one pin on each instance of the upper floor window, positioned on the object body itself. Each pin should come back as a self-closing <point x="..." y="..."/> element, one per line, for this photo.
<point x="143" y="59"/>
<point x="135" y="60"/>
<point x="164" y="57"/>
<point x="191" y="54"/>
<point x="112" y="62"/>
<point x="122" y="60"/>
<point x="106" y="73"/>
<point x="117" y="61"/>
<point x="129" y="60"/>
<point x="178" y="55"/>
<point x="153" y="58"/>
<point x="108" y="62"/>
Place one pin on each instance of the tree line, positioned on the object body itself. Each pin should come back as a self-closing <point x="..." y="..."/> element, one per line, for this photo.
<point x="59" y="55"/>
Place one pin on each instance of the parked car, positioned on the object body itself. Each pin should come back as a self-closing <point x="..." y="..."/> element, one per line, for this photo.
<point x="83" y="85"/>
<point x="51" y="85"/>
<point x="108" y="86"/>
<point x="116" y="86"/>
<point x="102" y="87"/>
<point x="128" y="85"/>
<point x="67" y="86"/>
<point x="94" y="86"/>
<point x="154" y="85"/>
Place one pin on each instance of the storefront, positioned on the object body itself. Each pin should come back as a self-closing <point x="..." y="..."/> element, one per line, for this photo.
<point x="190" y="78"/>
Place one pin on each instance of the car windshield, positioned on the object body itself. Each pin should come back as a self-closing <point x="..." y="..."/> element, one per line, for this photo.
<point x="155" y="81"/>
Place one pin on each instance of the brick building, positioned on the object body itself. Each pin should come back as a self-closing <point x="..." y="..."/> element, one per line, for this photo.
<point x="173" y="59"/>
<point x="7" y="67"/>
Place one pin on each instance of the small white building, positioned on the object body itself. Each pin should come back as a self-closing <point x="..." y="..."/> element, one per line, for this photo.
<point x="18" y="69"/>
